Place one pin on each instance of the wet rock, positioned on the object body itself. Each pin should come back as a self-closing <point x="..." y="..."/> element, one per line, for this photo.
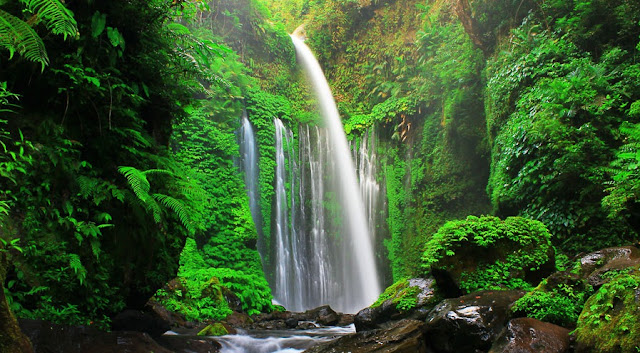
<point x="238" y="320"/>
<point x="172" y="318"/>
<point x="420" y="292"/>
<point x="595" y="266"/>
<point x="52" y="338"/>
<point x="345" y="319"/>
<point x="182" y="344"/>
<point x="323" y="315"/>
<point x="405" y="336"/>
<point x="135" y="320"/>
<point x="526" y="335"/>
<point x="469" y="322"/>
<point x="291" y="322"/>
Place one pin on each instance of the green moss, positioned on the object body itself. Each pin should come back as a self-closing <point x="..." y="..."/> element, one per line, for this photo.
<point x="610" y="320"/>
<point x="488" y="253"/>
<point x="216" y="329"/>
<point x="403" y="295"/>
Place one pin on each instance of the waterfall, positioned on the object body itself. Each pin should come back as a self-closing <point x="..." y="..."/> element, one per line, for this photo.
<point x="249" y="163"/>
<point x="289" y="269"/>
<point x="354" y="267"/>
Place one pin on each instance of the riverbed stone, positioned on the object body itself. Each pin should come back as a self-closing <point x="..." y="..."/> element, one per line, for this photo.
<point x="527" y="335"/>
<point x="322" y="315"/>
<point x="136" y="320"/>
<point x="53" y="338"/>
<point x="469" y="322"/>
<point x="596" y="265"/>
<point x="406" y="299"/>
<point x="404" y="336"/>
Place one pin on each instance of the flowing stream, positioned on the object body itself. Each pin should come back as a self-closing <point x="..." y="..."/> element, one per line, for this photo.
<point x="280" y="341"/>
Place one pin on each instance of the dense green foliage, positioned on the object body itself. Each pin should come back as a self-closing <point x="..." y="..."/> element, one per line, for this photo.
<point x="556" y="97"/>
<point x="560" y="304"/>
<point x="509" y="251"/>
<point x="118" y="146"/>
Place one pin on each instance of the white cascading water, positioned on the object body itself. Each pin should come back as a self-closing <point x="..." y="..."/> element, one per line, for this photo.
<point x="360" y="284"/>
<point x="289" y="272"/>
<point x="249" y="159"/>
<point x="367" y="167"/>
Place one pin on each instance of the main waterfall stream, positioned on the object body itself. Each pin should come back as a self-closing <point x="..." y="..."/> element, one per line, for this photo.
<point x="320" y="249"/>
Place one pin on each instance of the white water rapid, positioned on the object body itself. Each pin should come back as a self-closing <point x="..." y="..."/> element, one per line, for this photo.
<point x="361" y="285"/>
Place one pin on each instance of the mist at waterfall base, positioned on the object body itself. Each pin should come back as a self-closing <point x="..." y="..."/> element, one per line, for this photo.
<point x="321" y="247"/>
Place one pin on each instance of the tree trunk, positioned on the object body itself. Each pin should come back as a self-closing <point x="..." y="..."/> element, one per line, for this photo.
<point x="12" y="340"/>
<point x="463" y="10"/>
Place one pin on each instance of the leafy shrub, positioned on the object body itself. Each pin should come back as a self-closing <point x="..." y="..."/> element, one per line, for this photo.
<point x="561" y="305"/>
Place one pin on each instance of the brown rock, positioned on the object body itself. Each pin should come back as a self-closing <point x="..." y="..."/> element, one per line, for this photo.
<point x="470" y="322"/>
<point x="526" y="335"/>
<point x="405" y="336"/>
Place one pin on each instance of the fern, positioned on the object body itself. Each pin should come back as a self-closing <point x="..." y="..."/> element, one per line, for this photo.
<point x="138" y="182"/>
<point x="58" y="19"/>
<point x="17" y="36"/>
<point x="140" y="185"/>
<point x="76" y="265"/>
<point x="178" y="208"/>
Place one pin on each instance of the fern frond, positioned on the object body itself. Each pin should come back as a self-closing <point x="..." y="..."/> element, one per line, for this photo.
<point x="76" y="265"/>
<point x="17" y="36"/>
<point x="158" y="171"/>
<point x="178" y="207"/>
<point x="58" y="19"/>
<point x="137" y="181"/>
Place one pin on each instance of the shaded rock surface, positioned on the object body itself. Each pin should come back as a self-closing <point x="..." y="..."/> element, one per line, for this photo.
<point x="595" y="265"/>
<point x="280" y="320"/>
<point x="136" y="320"/>
<point x="405" y="336"/>
<point x="469" y="322"/>
<point x="53" y="338"/>
<point x="524" y="335"/>
<point x="423" y="290"/>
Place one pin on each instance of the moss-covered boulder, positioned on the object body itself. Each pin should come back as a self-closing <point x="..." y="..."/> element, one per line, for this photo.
<point x="407" y="298"/>
<point x="610" y="320"/>
<point x="216" y="329"/>
<point x="482" y="253"/>
<point x="559" y="299"/>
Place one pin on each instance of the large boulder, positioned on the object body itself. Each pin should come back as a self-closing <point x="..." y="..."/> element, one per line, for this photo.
<point x="610" y="320"/>
<point x="481" y="253"/>
<point x="407" y="298"/>
<point x="469" y="322"/>
<point x="53" y="338"/>
<point x="597" y="266"/>
<point x="559" y="298"/>
<point x="139" y="321"/>
<point x="405" y="336"/>
<point x="526" y="335"/>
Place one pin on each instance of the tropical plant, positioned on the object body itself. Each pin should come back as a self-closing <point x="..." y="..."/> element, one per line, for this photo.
<point x="17" y="35"/>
